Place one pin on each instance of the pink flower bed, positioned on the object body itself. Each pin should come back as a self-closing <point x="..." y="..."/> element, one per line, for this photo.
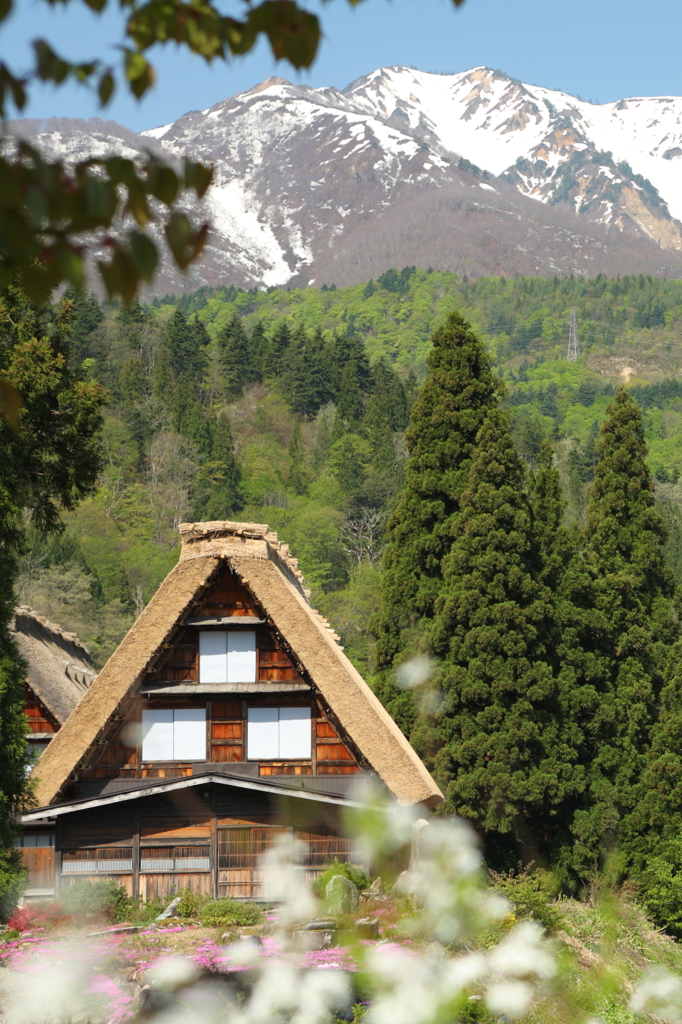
<point x="111" y="956"/>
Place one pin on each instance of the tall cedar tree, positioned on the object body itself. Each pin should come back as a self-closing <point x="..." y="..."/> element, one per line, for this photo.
<point x="625" y="623"/>
<point x="225" y="495"/>
<point x="652" y="834"/>
<point x="236" y="357"/>
<point x="49" y="462"/>
<point x="459" y="389"/>
<point x="504" y="762"/>
<point x="186" y="341"/>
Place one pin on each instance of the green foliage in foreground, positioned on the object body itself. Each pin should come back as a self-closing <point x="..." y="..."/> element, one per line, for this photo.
<point x="54" y="217"/>
<point x="50" y="461"/>
<point x="533" y="894"/>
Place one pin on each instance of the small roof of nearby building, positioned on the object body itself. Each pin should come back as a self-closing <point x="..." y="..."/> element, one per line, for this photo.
<point x="280" y="786"/>
<point x="264" y="566"/>
<point x="60" y="668"/>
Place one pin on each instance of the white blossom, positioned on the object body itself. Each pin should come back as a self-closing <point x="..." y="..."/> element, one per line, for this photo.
<point x="414" y="672"/>
<point x="660" y="994"/>
<point x="522" y="954"/>
<point x="509" y="998"/>
<point x="172" y="973"/>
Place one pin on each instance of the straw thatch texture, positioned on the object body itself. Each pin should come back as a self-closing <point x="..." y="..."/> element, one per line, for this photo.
<point x="60" y="668"/>
<point x="358" y="710"/>
<point x="121" y="674"/>
<point x="272" y="576"/>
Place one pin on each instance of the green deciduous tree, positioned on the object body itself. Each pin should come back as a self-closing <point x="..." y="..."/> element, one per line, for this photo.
<point x="72" y="210"/>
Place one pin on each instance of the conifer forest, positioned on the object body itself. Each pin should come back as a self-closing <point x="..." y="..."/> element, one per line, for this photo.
<point x="457" y="492"/>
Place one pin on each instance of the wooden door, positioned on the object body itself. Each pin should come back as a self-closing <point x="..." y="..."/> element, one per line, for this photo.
<point x="39" y="861"/>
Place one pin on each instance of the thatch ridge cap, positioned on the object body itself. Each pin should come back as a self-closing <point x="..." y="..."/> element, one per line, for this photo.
<point x="191" y="533"/>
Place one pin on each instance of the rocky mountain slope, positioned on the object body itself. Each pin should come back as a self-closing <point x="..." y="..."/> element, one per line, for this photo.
<point x="474" y="173"/>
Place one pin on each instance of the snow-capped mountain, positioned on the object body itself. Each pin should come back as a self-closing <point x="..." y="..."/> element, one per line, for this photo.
<point x="554" y="147"/>
<point x="472" y="173"/>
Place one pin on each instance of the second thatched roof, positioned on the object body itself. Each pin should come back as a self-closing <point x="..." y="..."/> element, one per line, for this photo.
<point x="60" y="668"/>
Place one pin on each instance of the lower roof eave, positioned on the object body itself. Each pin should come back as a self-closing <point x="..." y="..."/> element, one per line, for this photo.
<point x="186" y="782"/>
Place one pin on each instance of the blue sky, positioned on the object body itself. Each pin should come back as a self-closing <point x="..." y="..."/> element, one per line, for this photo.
<point x="599" y="49"/>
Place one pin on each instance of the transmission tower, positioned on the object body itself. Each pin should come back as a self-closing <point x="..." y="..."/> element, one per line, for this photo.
<point x="573" y="347"/>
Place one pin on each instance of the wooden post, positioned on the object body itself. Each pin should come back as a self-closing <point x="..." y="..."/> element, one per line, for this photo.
<point x="136" y="856"/>
<point x="57" y="858"/>
<point x="214" y="854"/>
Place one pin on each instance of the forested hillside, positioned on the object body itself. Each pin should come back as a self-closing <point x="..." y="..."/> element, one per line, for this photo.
<point x="290" y="408"/>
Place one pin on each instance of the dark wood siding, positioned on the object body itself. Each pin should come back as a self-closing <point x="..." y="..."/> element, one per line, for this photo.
<point x="207" y="839"/>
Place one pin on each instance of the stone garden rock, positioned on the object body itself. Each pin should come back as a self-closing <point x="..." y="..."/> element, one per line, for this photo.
<point x="170" y="910"/>
<point x="341" y="896"/>
<point x="319" y="938"/>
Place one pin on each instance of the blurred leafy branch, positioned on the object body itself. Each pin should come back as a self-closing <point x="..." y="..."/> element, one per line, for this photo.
<point x="54" y="216"/>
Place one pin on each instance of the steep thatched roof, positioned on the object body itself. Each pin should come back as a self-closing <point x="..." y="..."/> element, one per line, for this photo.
<point x="60" y="669"/>
<point x="272" y="576"/>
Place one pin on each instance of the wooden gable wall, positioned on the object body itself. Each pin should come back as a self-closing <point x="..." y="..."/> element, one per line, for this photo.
<point x="40" y="722"/>
<point x="226" y="727"/>
<point x="226" y="714"/>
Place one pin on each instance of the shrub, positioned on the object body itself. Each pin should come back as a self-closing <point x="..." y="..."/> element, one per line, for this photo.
<point x="230" y="912"/>
<point x="21" y="919"/>
<point x="351" y="871"/>
<point x="148" y="911"/>
<point x="532" y="893"/>
<point x="190" y="904"/>
<point x="37" y="915"/>
<point x="98" y="899"/>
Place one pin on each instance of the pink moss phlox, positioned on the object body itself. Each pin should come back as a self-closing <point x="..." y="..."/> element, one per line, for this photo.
<point x="334" y="957"/>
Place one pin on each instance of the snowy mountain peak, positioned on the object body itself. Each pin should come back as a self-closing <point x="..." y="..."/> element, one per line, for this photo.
<point x="474" y="172"/>
<point x="494" y="121"/>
